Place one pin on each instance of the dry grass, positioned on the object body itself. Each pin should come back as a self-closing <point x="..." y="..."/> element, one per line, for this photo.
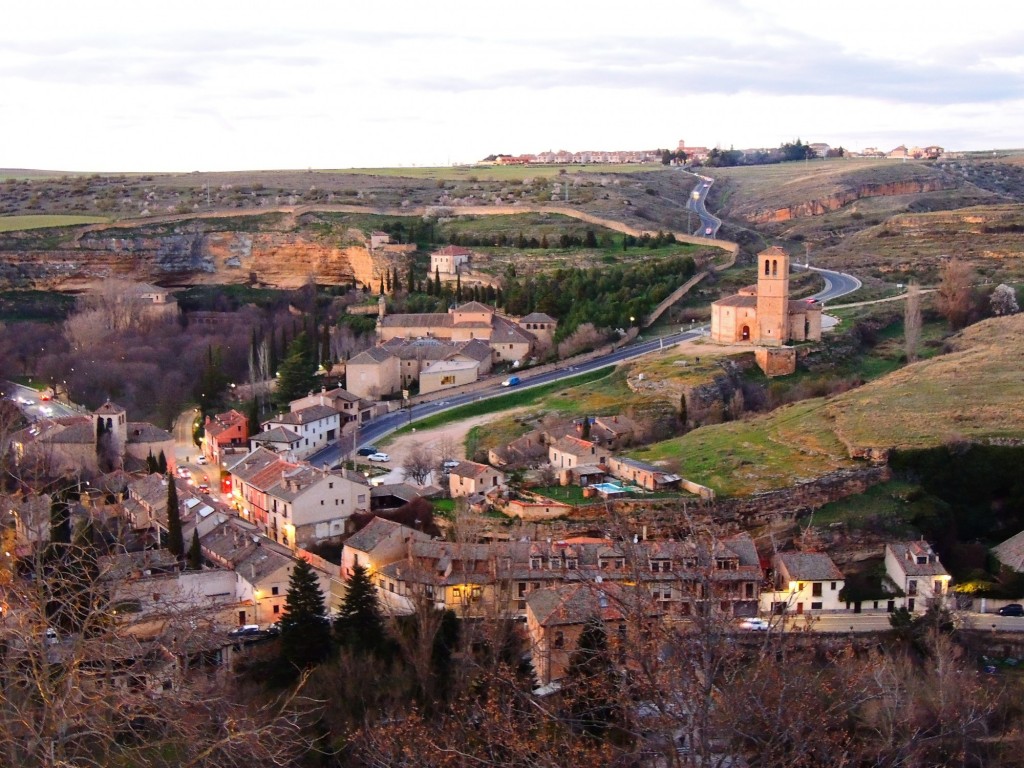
<point x="22" y="223"/>
<point x="973" y="393"/>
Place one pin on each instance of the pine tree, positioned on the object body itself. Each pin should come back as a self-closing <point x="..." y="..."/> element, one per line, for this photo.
<point x="175" y="538"/>
<point x="458" y="286"/>
<point x="195" y="552"/>
<point x="305" y="630"/>
<point x="298" y="371"/>
<point x="360" y="625"/>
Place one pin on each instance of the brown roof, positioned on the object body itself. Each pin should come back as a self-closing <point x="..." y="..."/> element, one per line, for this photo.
<point x="810" y="566"/>
<point x="371" y="356"/>
<point x="109" y="409"/>
<point x="427" y="319"/>
<point x="305" y="415"/>
<point x="737" y="301"/>
<point x="474" y="306"/>
<point x="144" y="432"/>
<point x="224" y="421"/>
<point x="470" y="469"/>
<point x="454" y="250"/>
<point x="537" y="317"/>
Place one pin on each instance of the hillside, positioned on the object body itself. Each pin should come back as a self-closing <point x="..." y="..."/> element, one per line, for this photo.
<point x="971" y="393"/>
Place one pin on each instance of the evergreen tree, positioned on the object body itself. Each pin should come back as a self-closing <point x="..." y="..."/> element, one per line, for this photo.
<point x="458" y="286"/>
<point x="591" y="680"/>
<point x="151" y="464"/>
<point x="297" y="373"/>
<point x="60" y="520"/>
<point x="360" y="625"/>
<point x="585" y="434"/>
<point x="410" y="279"/>
<point x="325" y="347"/>
<point x="305" y="630"/>
<point x="543" y="241"/>
<point x="195" y="552"/>
<point x="396" y="281"/>
<point x="175" y="538"/>
<point x="437" y="282"/>
<point x="254" y="417"/>
<point x="161" y="463"/>
<point x="380" y="291"/>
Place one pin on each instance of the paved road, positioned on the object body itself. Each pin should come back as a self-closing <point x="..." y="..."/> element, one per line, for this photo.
<point x="32" y="405"/>
<point x="709" y="223"/>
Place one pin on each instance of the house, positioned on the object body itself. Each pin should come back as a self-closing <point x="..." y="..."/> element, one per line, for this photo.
<point x="445" y="374"/>
<point x="378" y="543"/>
<point x="307" y="505"/>
<point x="351" y="407"/>
<point x="647" y="476"/>
<point x="225" y="430"/>
<point x="556" y="617"/>
<point x="449" y="363"/>
<point x="914" y="567"/>
<point x="279" y="440"/>
<point x="469" y="478"/>
<point x="530" y="450"/>
<point x="804" y="581"/>
<point x="1011" y="552"/>
<point x="315" y="425"/>
<point x="449" y="260"/>
<point x="378" y="239"/>
<point x="569" y="452"/>
<point x="251" y="478"/>
<point x="373" y="374"/>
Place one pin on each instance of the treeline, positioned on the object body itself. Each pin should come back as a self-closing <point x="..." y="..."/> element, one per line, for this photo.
<point x="788" y="152"/>
<point x="605" y="296"/>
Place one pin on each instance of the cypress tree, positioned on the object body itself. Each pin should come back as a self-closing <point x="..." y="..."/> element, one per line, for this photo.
<point x="437" y="282"/>
<point x="151" y="465"/>
<point x="360" y="625"/>
<point x="305" y="630"/>
<point x="585" y="434"/>
<point x="175" y="538"/>
<point x="410" y="279"/>
<point x="591" y="679"/>
<point x="195" y="552"/>
<point x="161" y="463"/>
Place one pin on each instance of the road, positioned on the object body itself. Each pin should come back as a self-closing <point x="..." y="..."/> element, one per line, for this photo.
<point x="709" y="223"/>
<point x="32" y="404"/>
<point x="836" y="284"/>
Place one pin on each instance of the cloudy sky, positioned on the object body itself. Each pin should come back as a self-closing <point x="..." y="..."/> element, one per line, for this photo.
<point x="219" y="85"/>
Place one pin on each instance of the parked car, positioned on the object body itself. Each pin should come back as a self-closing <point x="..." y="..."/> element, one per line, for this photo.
<point x="368" y="450"/>
<point x="1013" y="609"/>
<point x="754" y="625"/>
<point x="511" y="381"/>
<point x="379" y="457"/>
<point x="201" y="459"/>
<point x="250" y="631"/>
<point x="204" y="488"/>
<point x="451" y="464"/>
<point x="184" y="473"/>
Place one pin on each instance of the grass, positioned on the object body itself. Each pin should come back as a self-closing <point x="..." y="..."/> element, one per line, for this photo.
<point x="22" y="223"/>
<point x="514" y="399"/>
<point x="881" y="506"/>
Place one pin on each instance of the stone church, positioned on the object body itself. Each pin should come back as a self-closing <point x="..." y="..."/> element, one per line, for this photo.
<point x="764" y="316"/>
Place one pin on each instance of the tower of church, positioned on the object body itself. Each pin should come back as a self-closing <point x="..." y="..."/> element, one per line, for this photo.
<point x="110" y="418"/>
<point x="772" y="296"/>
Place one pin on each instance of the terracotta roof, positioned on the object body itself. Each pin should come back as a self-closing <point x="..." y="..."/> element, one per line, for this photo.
<point x="508" y="333"/>
<point x="376" y="531"/>
<point x="474" y="306"/>
<point x="477" y="349"/>
<point x="773" y="251"/>
<point x="425" y="319"/>
<point x="736" y="301"/>
<point x="470" y="469"/>
<point x="1011" y="552"/>
<point x="577" y="603"/>
<point x="252" y="463"/>
<point x="574" y="445"/>
<point x="454" y="250"/>
<point x="224" y="421"/>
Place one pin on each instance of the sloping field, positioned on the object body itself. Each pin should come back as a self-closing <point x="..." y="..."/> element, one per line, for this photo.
<point x="21" y="223"/>
<point x="975" y="392"/>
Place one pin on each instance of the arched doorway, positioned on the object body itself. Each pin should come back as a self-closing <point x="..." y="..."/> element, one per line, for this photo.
<point x="745" y="332"/>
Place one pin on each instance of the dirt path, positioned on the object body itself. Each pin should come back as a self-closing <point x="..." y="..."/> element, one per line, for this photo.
<point x="433" y="440"/>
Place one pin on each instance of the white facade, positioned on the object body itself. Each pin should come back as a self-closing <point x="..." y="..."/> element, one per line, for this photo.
<point x="915" y="568"/>
<point x="316" y="427"/>
<point x="314" y="506"/>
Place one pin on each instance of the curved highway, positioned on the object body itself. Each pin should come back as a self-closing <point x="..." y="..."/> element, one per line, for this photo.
<point x="709" y="223"/>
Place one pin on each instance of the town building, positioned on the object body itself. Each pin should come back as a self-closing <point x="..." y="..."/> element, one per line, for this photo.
<point x="469" y="478"/>
<point x="316" y="426"/>
<point x="915" y="569"/>
<point x="804" y="582"/>
<point x="223" y="432"/>
<point x="449" y="261"/>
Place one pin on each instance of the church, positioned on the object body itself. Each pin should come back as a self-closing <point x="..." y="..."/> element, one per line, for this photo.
<point x="764" y="316"/>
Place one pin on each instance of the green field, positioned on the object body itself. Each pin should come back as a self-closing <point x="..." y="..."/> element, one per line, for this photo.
<point x="21" y="223"/>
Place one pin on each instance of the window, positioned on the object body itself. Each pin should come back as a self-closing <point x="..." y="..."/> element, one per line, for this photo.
<point x="937" y="586"/>
<point x="815" y="606"/>
<point x="559" y="641"/>
<point x="534" y="562"/>
<point x="912" y="587"/>
<point x="456" y="593"/>
<point x="275" y="590"/>
<point x="556" y="562"/>
<point x="476" y="594"/>
<point x="570" y="563"/>
<point x="330" y="485"/>
<point x="833" y="586"/>
<point x="816" y="589"/>
<point x="277" y="609"/>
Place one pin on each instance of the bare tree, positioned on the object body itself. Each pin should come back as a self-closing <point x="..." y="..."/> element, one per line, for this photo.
<point x="955" y="292"/>
<point x="418" y="464"/>
<point x="912" y="320"/>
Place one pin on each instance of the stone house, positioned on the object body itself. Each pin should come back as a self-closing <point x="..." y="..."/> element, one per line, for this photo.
<point x="308" y="505"/>
<point x="373" y="374"/>
<point x="569" y="452"/>
<point x="647" y="476"/>
<point x="470" y="478"/>
<point x="315" y="425"/>
<point x="914" y="567"/>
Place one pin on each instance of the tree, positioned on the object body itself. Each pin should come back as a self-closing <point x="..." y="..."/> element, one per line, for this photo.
<point x="955" y="292"/>
<point x="161" y="463"/>
<point x="418" y="464"/>
<point x="360" y="625"/>
<point x="175" y="539"/>
<point x="585" y="433"/>
<point x="591" y="680"/>
<point x="1004" y="300"/>
<point x="297" y="375"/>
<point x="305" y="630"/>
<point x="912" y="321"/>
<point x="195" y="552"/>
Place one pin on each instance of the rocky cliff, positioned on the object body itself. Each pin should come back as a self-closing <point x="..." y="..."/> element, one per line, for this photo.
<point x="190" y="254"/>
<point x="845" y="197"/>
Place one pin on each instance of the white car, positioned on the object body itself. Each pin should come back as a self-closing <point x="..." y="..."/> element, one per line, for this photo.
<point x="201" y="459"/>
<point x="451" y="464"/>
<point x="379" y="457"/>
<point x="754" y="625"/>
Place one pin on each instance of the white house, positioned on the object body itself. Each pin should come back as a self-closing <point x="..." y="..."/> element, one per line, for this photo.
<point x="804" y="581"/>
<point x="309" y="504"/>
<point x="316" y="426"/>
<point x="915" y="568"/>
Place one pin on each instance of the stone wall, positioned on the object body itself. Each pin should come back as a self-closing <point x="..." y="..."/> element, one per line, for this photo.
<point x="776" y="361"/>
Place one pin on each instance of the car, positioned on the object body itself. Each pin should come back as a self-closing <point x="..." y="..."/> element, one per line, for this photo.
<point x="451" y="464"/>
<point x="247" y="631"/>
<point x="367" y="450"/>
<point x="511" y="381"/>
<point x="201" y="459"/>
<point x="379" y="457"/>
<point x="1013" y="609"/>
<point x="51" y="636"/>
<point x="45" y="396"/>
<point x="754" y="625"/>
<point x="204" y="488"/>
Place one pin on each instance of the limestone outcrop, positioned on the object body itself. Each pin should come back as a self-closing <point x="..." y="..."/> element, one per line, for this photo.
<point x="839" y="199"/>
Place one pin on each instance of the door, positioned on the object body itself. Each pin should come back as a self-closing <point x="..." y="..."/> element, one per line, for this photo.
<point x="799" y="608"/>
<point x="241" y="618"/>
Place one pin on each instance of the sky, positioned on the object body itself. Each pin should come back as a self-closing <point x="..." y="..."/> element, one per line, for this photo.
<point x="221" y="85"/>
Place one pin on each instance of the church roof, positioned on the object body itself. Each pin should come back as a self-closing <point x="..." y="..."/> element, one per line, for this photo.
<point x="737" y="301"/>
<point x="109" y="409"/>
